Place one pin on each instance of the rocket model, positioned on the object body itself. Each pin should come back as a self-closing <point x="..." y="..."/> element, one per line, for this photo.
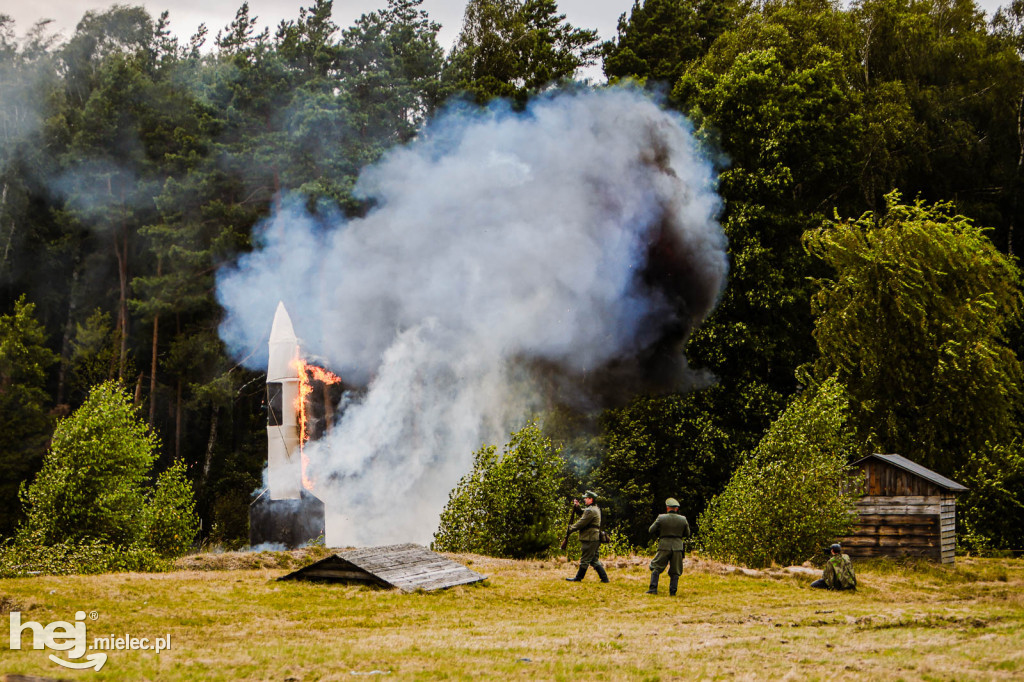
<point x="284" y="459"/>
<point x="284" y="513"/>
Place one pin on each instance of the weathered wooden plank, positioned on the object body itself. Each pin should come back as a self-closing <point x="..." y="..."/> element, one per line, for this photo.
<point x="407" y="567"/>
<point x="402" y="576"/>
<point x="897" y="519"/>
<point x="897" y="509"/>
<point x="893" y="530"/>
<point x="337" y="574"/>
<point x="892" y="541"/>
<point x="901" y="499"/>
<point x="872" y="552"/>
<point x="434" y="575"/>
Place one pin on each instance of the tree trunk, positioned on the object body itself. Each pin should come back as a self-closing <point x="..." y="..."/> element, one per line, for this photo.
<point x="65" y="342"/>
<point x="208" y="457"/>
<point x="152" y="372"/>
<point x="177" y="424"/>
<point x="121" y="251"/>
<point x="152" y="366"/>
<point x="10" y="235"/>
<point x="1015" y="183"/>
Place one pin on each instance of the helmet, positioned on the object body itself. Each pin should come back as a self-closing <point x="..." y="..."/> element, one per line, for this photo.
<point x="671" y="502"/>
<point x="836" y="548"/>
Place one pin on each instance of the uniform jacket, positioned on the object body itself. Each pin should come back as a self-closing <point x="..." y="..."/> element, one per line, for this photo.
<point x="671" y="529"/>
<point x="589" y="524"/>
<point x="838" y="573"/>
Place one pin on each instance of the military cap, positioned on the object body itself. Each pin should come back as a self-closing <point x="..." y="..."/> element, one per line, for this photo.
<point x="671" y="502"/>
<point x="591" y="494"/>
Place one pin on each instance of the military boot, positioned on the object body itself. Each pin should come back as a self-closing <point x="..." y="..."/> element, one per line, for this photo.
<point x="579" y="575"/>
<point x="673" y="583"/>
<point x="653" y="589"/>
<point x="601" y="573"/>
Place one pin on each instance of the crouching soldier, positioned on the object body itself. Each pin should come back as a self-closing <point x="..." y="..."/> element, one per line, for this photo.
<point x="589" y="527"/>
<point x="671" y="529"/>
<point x="838" y="573"/>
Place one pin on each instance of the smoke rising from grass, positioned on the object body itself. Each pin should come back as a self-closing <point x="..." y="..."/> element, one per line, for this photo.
<point x="564" y="253"/>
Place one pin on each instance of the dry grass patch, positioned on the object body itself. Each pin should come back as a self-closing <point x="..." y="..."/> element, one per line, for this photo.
<point x="906" y="622"/>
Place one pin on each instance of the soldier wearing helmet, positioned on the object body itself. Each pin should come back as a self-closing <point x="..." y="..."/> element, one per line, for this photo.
<point x="589" y="527"/>
<point x="672" y="529"/>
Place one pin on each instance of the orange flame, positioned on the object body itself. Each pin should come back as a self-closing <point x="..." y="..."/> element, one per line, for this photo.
<point x="307" y="374"/>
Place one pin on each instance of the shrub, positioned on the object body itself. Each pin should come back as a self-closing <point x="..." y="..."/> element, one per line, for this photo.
<point x="92" y="507"/>
<point x="792" y="495"/>
<point x="66" y="558"/>
<point x="172" y="521"/>
<point x="991" y="512"/>
<point x="509" y="506"/>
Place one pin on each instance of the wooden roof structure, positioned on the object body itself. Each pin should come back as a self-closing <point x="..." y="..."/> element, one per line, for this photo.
<point x="906" y="510"/>
<point x="916" y="469"/>
<point x="407" y="567"/>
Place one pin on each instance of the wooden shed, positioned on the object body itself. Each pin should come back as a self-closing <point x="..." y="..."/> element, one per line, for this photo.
<point x="906" y="510"/>
<point x="406" y="567"/>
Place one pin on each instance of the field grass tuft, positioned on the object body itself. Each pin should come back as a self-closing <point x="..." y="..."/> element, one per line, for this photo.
<point x="230" y="619"/>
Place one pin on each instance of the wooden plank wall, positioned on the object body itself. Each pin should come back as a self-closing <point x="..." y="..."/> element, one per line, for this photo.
<point x="885" y="480"/>
<point x="947" y="524"/>
<point x="896" y="526"/>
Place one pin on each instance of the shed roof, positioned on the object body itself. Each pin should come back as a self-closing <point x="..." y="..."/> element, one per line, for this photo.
<point x="917" y="470"/>
<point x="408" y="567"/>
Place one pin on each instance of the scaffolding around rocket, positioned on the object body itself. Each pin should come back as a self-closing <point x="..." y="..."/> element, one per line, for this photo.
<point x="285" y="512"/>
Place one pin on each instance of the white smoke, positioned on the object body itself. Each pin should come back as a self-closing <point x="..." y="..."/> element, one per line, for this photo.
<point x="498" y="239"/>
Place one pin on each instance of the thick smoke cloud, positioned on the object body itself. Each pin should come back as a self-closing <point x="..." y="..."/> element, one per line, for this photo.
<point x="562" y="253"/>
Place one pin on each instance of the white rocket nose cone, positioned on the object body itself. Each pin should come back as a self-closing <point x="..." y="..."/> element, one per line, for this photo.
<point x="282" y="329"/>
<point x="284" y="347"/>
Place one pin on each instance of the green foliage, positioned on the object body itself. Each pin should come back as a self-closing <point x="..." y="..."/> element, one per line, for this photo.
<point x="792" y="495"/>
<point x="656" y="448"/>
<point x="662" y="37"/>
<point x="515" y="48"/>
<point x="172" y="521"/>
<point x="93" y="491"/>
<point x="991" y="512"/>
<point x="93" y="482"/>
<point x="93" y="352"/>
<point x="24" y="423"/>
<point x="914" y="323"/>
<point x="69" y="558"/>
<point x="509" y="506"/>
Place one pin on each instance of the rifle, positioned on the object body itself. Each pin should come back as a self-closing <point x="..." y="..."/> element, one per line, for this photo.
<point x="568" y="524"/>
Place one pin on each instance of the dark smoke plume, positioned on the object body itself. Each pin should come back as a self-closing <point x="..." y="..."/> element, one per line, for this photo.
<point x="563" y="253"/>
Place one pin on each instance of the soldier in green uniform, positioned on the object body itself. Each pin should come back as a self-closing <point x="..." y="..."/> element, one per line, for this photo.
<point x="671" y="528"/>
<point x="589" y="527"/>
<point x="838" y="573"/>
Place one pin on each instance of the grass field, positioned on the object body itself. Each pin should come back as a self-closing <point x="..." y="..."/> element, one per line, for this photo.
<point x="907" y="621"/>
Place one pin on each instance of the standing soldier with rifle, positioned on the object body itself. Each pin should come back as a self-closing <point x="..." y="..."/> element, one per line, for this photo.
<point x="589" y="527"/>
<point x="671" y="527"/>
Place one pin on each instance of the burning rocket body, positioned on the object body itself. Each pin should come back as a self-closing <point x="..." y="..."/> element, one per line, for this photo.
<point x="284" y="456"/>
<point x="285" y="512"/>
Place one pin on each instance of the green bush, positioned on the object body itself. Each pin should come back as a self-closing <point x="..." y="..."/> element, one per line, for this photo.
<point x="792" y="495"/>
<point x="991" y="512"/>
<point x="509" y="506"/>
<point x="172" y="521"/>
<point x="92" y="507"/>
<point x="67" y="558"/>
<point x="93" y="482"/>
